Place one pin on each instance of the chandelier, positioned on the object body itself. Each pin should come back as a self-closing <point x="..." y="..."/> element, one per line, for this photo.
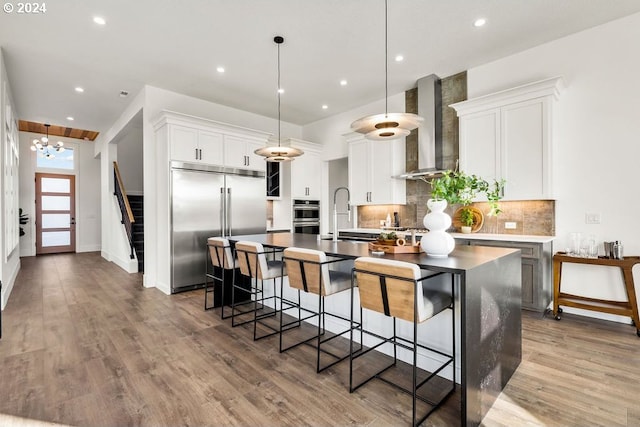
<point x="44" y="149"/>
<point x="279" y="153"/>
<point x="381" y="127"/>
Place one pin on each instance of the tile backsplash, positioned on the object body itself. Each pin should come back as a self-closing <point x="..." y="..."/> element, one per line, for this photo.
<point x="531" y="217"/>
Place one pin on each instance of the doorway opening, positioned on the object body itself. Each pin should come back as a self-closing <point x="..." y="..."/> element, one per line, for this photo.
<point x="55" y="213"/>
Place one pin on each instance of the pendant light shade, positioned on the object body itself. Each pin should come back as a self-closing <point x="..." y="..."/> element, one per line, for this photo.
<point x="278" y="153"/>
<point x="382" y="127"/>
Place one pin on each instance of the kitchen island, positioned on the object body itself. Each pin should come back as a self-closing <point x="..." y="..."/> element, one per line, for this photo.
<point x="488" y="300"/>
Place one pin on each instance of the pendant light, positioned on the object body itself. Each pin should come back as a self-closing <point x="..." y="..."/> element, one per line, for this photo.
<point x="279" y="153"/>
<point x="381" y="127"/>
<point x="42" y="146"/>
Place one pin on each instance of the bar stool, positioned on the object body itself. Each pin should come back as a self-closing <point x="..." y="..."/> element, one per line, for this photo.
<point x="397" y="289"/>
<point x="251" y="258"/>
<point x="222" y="260"/>
<point x="308" y="271"/>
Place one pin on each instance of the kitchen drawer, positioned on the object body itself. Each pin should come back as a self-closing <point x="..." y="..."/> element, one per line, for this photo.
<point x="529" y="250"/>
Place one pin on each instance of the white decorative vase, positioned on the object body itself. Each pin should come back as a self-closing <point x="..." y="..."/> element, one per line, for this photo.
<point x="437" y="242"/>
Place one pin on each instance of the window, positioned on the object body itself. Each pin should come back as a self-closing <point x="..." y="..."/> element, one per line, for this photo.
<point x="63" y="160"/>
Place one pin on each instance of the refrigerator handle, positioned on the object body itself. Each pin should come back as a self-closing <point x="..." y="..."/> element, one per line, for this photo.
<point x="222" y="209"/>
<point x="229" y="211"/>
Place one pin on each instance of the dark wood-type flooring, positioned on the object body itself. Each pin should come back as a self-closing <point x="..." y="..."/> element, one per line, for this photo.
<point x="85" y="344"/>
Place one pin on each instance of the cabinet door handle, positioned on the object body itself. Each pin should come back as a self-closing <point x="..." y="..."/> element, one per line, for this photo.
<point x="200" y="152"/>
<point x="196" y="154"/>
<point x="248" y="161"/>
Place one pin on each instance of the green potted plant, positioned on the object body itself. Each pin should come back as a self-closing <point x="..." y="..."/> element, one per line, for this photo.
<point x="467" y="219"/>
<point x="457" y="187"/>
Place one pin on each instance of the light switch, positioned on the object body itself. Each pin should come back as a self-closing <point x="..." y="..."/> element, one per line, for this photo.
<point x="510" y="225"/>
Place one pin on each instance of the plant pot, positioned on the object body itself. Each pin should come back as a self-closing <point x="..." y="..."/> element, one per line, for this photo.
<point x="466" y="229"/>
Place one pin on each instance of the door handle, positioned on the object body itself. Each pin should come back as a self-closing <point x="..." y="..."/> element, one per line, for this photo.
<point x="229" y="211"/>
<point x="222" y="218"/>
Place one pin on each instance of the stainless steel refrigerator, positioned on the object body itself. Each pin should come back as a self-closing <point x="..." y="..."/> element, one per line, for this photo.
<point x="208" y="201"/>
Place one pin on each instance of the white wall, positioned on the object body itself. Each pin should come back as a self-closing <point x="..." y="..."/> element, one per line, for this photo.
<point x="130" y="161"/>
<point x="115" y="246"/>
<point x="330" y="131"/>
<point x="597" y="151"/>
<point x="10" y="264"/>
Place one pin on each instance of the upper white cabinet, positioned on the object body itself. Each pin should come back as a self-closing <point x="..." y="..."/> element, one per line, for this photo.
<point x="194" y="145"/>
<point x="239" y="153"/>
<point x="195" y="140"/>
<point x="306" y="171"/>
<point x="373" y="166"/>
<point x="509" y="135"/>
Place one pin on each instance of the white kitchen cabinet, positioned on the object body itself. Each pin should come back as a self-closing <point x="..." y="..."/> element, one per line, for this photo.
<point x="372" y="168"/>
<point x="196" y="140"/>
<point x="194" y="145"/>
<point x="239" y="153"/>
<point x="509" y="135"/>
<point x="306" y="171"/>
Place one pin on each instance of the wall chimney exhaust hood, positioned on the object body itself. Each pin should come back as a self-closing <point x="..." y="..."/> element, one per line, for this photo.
<point x="430" y="131"/>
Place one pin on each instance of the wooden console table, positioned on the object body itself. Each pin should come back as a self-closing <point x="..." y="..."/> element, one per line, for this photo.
<point x="622" y="308"/>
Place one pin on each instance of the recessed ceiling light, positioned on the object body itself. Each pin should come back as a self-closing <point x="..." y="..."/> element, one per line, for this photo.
<point x="399" y="58"/>
<point x="280" y="90"/>
<point x="79" y="89"/>
<point x="70" y="118"/>
<point x="220" y="69"/>
<point x="99" y="20"/>
<point x="479" y="22"/>
<point x="343" y="82"/>
<point x="325" y="106"/>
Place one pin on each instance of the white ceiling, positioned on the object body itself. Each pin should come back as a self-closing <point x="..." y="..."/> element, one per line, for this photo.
<point x="177" y="45"/>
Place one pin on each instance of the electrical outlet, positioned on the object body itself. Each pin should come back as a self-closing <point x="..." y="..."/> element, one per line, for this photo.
<point x="510" y="225"/>
<point x="592" y="218"/>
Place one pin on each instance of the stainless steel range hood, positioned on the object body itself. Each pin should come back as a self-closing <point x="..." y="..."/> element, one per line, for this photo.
<point x="430" y="131"/>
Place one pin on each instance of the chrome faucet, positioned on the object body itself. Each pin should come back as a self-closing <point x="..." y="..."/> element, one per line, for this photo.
<point x="336" y="213"/>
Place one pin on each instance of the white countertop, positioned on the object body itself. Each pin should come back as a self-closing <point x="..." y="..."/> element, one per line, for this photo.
<point x="472" y="236"/>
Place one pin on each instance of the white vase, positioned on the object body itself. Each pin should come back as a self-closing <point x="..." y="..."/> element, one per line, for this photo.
<point x="437" y="242"/>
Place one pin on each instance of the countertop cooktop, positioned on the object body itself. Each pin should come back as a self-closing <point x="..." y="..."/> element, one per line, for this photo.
<point x="472" y="236"/>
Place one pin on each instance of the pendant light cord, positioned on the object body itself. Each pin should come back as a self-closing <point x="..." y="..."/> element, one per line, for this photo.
<point x="386" y="63"/>
<point x="279" y="94"/>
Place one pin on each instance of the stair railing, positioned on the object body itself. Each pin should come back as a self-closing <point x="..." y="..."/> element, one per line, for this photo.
<point x="125" y="208"/>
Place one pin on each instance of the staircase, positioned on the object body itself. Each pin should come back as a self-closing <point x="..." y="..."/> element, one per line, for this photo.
<point x="137" y="208"/>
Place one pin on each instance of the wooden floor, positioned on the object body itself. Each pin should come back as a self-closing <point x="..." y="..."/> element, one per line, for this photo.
<point x="85" y="344"/>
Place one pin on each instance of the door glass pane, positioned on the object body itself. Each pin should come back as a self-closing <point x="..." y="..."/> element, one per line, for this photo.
<point x="56" y="238"/>
<point x="56" y="185"/>
<point x="56" y="220"/>
<point x="56" y="203"/>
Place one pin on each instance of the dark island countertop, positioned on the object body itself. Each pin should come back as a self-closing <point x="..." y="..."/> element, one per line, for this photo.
<point x="463" y="258"/>
<point x="487" y="283"/>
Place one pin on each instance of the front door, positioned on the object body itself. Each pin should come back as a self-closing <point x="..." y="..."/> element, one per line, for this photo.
<point x="55" y="213"/>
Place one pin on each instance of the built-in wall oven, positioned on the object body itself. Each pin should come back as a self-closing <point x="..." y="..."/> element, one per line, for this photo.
<point x="306" y="216"/>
